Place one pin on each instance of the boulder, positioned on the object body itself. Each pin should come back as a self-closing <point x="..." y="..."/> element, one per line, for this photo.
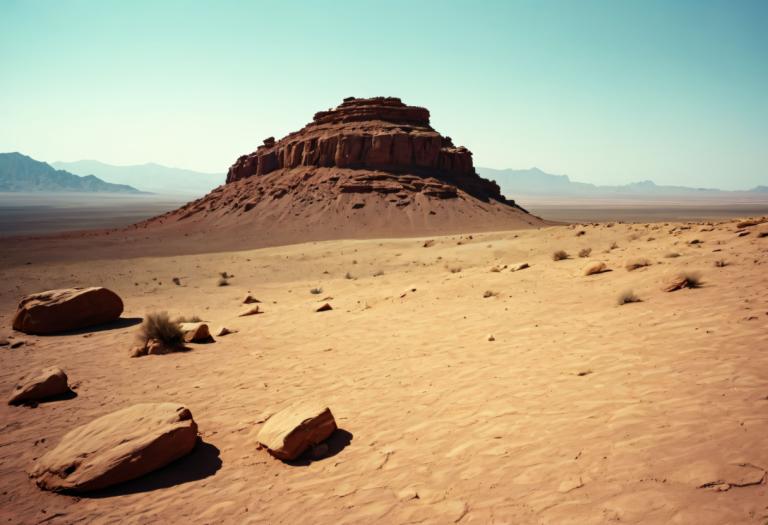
<point x="49" y="383"/>
<point x="293" y="430"/>
<point x="196" y="332"/>
<point x="67" y="309"/>
<point x="117" y="447"/>
<point x="595" y="267"/>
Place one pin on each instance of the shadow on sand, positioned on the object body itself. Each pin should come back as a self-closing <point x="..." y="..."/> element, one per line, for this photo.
<point x="338" y="441"/>
<point x="202" y="462"/>
<point x="123" y="322"/>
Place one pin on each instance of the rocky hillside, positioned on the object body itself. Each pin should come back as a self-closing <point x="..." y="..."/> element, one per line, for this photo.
<point x="370" y="167"/>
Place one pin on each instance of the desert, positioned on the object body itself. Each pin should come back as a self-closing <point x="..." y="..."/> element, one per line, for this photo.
<point x="407" y="263"/>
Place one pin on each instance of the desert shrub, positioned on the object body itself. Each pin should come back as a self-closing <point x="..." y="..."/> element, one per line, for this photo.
<point x="489" y="293"/>
<point x="316" y="291"/>
<point x="613" y="245"/>
<point x="585" y="252"/>
<point x="224" y="275"/>
<point x="158" y="325"/>
<point x="454" y="269"/>
<point x="628" y="296"/>
<point x="176" y="281"/>
<point x="634" y="264"/>
<point x="348" y="276"/>
<point x="559" y="255"/>
<point x="690" y="279"/>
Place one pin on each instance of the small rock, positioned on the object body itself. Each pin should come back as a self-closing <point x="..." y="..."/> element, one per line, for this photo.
<point x="17" y="344"/>
<point x="51" y="382"/>
<point x="491" y="338"/>
<point x="196" y="332"/>
<point x="249" y="299"/>
<point x="324" y="308"/>
<point x="224" y="331"/>
<point x="253" y="310"/>
<point x="594" y="267"/>
<point x="290" y="432"/>
<point x="520" y="266"/>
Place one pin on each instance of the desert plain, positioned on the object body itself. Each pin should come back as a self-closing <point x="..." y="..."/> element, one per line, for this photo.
<point x="464" y="391"/>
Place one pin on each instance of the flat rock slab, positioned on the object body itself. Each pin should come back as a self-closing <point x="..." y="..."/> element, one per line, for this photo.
<point x="117" y="447"/>
<point x="49" y="383"/>
<point x="67" y="309"/>
<point x="293" y="430"/>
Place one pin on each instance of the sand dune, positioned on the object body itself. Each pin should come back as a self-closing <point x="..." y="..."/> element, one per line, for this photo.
<point x="579" y="411"/>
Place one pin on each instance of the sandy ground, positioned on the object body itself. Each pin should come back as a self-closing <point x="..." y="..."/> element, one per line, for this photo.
<point x="581" y="411"/>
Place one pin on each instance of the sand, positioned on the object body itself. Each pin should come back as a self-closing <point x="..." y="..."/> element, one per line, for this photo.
<point x="579" y="411"/>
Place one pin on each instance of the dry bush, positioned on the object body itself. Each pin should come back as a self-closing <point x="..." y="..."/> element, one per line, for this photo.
<point x="224" y="275"/>
<point x="690" y="279"/>
<point x="627" y="297"/>
<point x="348" y="276"/>
<point x="585" y="252"/>
<point x="634" y="264"/>
<point x="176" y="281"/>
<point x="316" y="291"/>
<point x="158" y="326"/>
<point x="613" y="245"/>
<point x="454" y="269"/>
<point x="559" y="255"/>
<point x="489" y="293"/>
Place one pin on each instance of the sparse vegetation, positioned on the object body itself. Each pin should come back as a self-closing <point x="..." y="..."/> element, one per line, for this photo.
<point x="634" y="264"/>
<point x="489" y="293"/>
<point x="158" y="326"/>
<point x="454" y="269"/>
<point x="176" y="281"/>
<point x="613" y="245"/>
<point x="224" y="275"/>
<point x="559" y="255"/>
<point x="348" y="276"/>
<point x="690" y="279"/>
<point x="316" y="291"/>
<point x="627" y="297"/>
<point x="585" y="252"/>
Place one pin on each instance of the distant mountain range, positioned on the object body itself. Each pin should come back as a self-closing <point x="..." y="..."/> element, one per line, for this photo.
<point x="149" y="177"/>
<point x="536" y="182"/>
<point x="19" y="173"/>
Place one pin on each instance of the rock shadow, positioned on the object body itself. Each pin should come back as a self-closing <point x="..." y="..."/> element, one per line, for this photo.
<point x="202" y="462"/>
<point x="123" y="322"/>
<point x="339" y="440"/>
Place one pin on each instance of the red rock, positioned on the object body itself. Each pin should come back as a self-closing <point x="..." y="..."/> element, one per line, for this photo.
<point x="56" y="311"/>
<point x="49" y="383"/>
<point x="293" y="430"/>
<point x="117" y="447"/>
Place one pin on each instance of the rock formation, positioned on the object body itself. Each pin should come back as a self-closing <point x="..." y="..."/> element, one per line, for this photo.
<point x="48" y="384"/>
<point x="117" y="447"/>
<point x="294" y="429"/>
<point x="369" y="167"/>
<point x="57" y="311"/>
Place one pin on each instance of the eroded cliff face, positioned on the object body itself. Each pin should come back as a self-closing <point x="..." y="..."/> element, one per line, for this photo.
<point x="372" y="135"/>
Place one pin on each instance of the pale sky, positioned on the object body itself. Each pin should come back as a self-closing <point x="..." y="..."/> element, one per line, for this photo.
<point x="608" y="92"/>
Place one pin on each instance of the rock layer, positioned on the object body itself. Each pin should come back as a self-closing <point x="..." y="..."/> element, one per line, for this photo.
<point x="380" y="134"/>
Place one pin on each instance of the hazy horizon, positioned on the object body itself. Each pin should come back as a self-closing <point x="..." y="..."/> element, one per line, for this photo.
<point x="607" y="93"/>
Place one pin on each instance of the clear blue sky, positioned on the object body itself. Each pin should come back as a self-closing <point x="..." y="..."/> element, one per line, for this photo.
<point x="605" y="91"/>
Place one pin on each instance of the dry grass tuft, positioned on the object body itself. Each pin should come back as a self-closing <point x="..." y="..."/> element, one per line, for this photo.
<point x="158" y="326"/>
<point x="585" y="252"/>
<point x="190" y="319"/>
<point x="627" y="297"/>
<point x="559" y="255"/>
<point x="489" y="293"/>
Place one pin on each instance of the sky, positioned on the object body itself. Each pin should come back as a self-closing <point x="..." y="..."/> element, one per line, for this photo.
<point x="608" y="92"/>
